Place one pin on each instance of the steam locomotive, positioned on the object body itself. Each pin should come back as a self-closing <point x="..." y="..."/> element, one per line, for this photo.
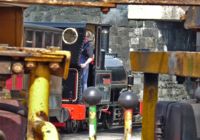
<point x="107" y="73"/>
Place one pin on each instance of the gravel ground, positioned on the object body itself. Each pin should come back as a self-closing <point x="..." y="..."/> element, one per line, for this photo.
<point x="112" y="134"/>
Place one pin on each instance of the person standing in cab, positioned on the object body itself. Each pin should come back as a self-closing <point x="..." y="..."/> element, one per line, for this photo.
<point x="85" y="59"/>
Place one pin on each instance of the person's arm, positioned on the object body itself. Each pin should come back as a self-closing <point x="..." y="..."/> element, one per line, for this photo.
<point x="89" y="60"/>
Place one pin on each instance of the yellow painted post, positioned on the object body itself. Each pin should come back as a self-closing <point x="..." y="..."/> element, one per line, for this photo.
<point x="149" y="103"/>
<point x="38" y="103"/>
<point x="128" y="117"/>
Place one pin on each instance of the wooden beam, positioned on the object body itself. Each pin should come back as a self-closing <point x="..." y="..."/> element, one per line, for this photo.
<point x="176" y="63"/>
<point x="63" y="3"/>
<point x="11" y="26"/>
<point x="105" y="3"/>
<point x="158" y="2"/>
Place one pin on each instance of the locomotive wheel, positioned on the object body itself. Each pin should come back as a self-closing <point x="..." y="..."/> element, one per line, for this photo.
<point x="107" y="121"/>
<point x="72" y="126"/>
<point x="83" y="125"/>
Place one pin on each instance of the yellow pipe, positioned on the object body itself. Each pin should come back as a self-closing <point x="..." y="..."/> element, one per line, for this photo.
<point x="38" y="105"/>
<point x="46" y="129"/>
<point x="128" y="115"/>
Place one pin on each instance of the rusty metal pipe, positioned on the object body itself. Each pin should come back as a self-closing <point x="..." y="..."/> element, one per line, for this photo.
<point x="38" y="105"/>
<point x="46" y="130"/>
<point x="128" y="116"/>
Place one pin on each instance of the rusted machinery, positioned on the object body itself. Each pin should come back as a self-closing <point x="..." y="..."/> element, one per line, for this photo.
<point x="29" y="117"/>
<point x="178" y="63"/>
<point x="39" y="63"/>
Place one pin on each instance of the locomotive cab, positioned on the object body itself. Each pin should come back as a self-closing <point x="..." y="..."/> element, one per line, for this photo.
<point x="106" y="73"/>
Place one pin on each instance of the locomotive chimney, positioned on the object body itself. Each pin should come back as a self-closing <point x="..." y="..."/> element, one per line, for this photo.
<point x="104" y="44"/>
<point x="105" y="38"/>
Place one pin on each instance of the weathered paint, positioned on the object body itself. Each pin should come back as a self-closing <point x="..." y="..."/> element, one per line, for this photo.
<point x="149" y="104"/>
<point x="32" y="55"/>
<point x="67" y="60"/>
<point x="104" y="3"/>
<point x="38" y="105"/>
<point x="47" y="130"/>
<point x="151" y="62"/>
<point x="192" y="18"/>
<point x="157" y="2"/>
<point x="177" y="63"/>
<point x="128" y="116"/>
<point x="63" y="3"/>
<point x="92" y="123"/>
<point x="38" y="98"/>
<point x="11" y="26"/>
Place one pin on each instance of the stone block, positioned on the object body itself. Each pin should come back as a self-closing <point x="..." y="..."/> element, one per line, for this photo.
<point x="134" y="41"/>
<point x="133" y="47"/>
<point x="113" y="40"/>
<point x="150" y="24"/>
<point x="132" y="23"/>
<point x="138" y="31"/>
<point x="122" y="7"/>
<point x="123" y="31"/>
<point x="147" y="43"/>
<point x="132" y="34"/>
<point x="149" y="32"/>
<point x="113" y="31"/>
<point x="124" y="41"/>
<point x="140" y="24"/>
<point x="90" y="11"/>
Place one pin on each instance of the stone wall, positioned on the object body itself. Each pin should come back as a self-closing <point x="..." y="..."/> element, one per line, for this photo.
<point x="128" y="35"/>
<point x="154" y="35"/>
<point x="62" y="14"/>
<point x="124" y="34"/>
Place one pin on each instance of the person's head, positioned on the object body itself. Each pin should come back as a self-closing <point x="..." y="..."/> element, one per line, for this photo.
<point x="89" y="35"/>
